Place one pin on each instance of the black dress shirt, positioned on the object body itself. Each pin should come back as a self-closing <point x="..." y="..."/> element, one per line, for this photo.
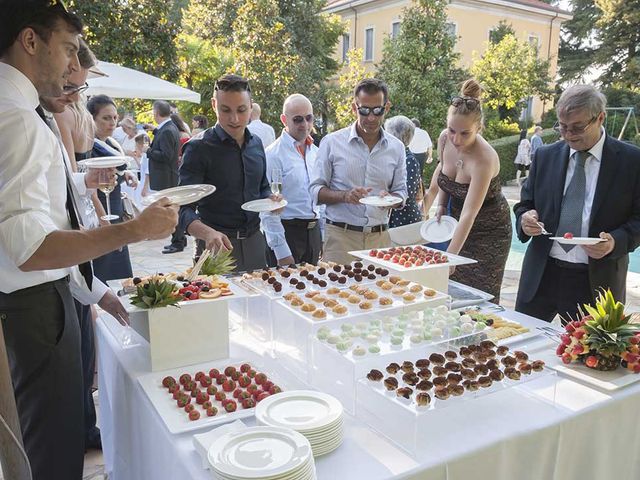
<point x="238" y="173"/>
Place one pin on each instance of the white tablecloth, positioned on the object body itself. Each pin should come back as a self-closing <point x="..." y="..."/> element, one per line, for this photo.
<point x="585" y="434"/>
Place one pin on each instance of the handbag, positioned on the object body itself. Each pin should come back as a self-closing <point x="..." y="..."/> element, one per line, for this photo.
<point x="129" y="209"/>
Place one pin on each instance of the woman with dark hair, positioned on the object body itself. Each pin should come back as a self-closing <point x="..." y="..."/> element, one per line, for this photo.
<point x="199" y="123"/>
<point x="523" y="158"/>
<point x="185" y="136"/>
<point x="102" y="108"/>
<point x="468" y="176"/>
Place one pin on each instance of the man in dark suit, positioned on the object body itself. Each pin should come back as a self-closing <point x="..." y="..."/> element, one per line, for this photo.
<point x="585" y="186"/>
<point x="163" y="163"/>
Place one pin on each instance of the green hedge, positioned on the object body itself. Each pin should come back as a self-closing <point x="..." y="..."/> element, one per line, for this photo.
<point x="506" y="148"/>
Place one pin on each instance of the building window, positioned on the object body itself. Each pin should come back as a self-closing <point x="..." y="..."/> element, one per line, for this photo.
<point x="346" y="44"/>
<point x="451" y="29"/>
<point x="534" y="41"/>
<point x="395" y="29"/>
<point x="368" y="44"/>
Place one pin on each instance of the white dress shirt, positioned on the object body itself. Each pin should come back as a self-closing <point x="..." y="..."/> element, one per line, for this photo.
<point x="283" y="155"/>
<point x="345" y="162"/>
<point x="421" y="141"/>
<point x="266" y="132"/>
<point x="33" y="189"/>
<point x="591" y="171"/>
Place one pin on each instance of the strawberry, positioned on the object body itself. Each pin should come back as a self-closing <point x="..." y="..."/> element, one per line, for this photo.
<point x="267" y="385"/>
<point x="211" y="389"/>
<point x="174" y="388"/>
<point x="231" y="406"/>
<point x="383" y="255"/>
<point x="275" y="389"/>
<point x="566" y="358"/>
<point x="220" y="379"/>
<point x="244" y="381"/>
<point x="183" y="401"/>
<point x="260" y="378"/>
<point x="252" y="373"/>
<point x="205" y="381"/>
<point x="591" y="361"/>
<point x="244" y="395"/>
<point x="177" y="395"/>
<point x="229" y="385"/>
<point x="635" y="340"/>
<point x="198" y="376"/>
<point x="185" y="378"/>
<point x="252" y="388"/>
<point x="373" y="252"/>
<point x="245" y="367"/>
<point x="194" y="415"/>
<point x="206" y="405"/>
<point x="188" y="407"/>
<point x="248" y="403"/>
<point x="262" y="396"/>
<point x="237" y="392"/>
<point x="202" y="397"/>
<point x="168" y="381"/>
<point x="568" y="235"/>
<point x="229" y="371"/>
<point x="220" y="396"/>
<point x="235" y="375"/>
<point x="212" y="412"/>
<point x="214" y="372"/>
<point x="560" y="350"/>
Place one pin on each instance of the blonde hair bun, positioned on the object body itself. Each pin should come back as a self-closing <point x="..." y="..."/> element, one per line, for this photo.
<point x="471" y="88"/>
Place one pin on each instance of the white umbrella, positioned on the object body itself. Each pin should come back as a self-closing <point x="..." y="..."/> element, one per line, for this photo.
<point x="122" y="82"/>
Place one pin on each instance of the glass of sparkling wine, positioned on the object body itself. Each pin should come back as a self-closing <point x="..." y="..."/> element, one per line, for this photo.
<point x="276" y="181"/>
<point x="106" y="184"/>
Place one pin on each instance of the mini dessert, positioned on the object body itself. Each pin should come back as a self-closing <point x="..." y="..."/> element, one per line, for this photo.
<point x="385" y="301"/>
<point x="525" y="368"/>
<point x="429" y="292"/>
<point x="468" y="362"/>
<point x="511" y="373"/>
<point x="319" y="314"/>
<point x="471" y="385"/>
<point x="453" y="366"/>
<point x="359" y="351"/>
<point x="492" y="364"/>
<point x="353" y="299"/>
<point x="496" y="375"/>
<point x="481" y="369"/>
<point x="440" y="370"/>
<point x="415" y="288"/>
<point x="409" y="297"/>
<point x="422" y="363"/>
<point x="297" y="302"/>
<point x="442" y="394"/>
<point x="424" y="373"/>
<point x="365" y="305"/>
<point x="454" y="378"/>
<point x="456" y="390"/>
<point x="440" y="383"/>
<point x="374" y="349"/>
<point x="354" y="288"/>
<point x="407" y="366"/>
<point x="398" y="291"/>
<point x="502" y="350"/>
<point x="393" y="368"/>
<point x="423" y="399"/>
<point x="509" y="361"/>
<point x="394" y="279"/>
<point x="308" y="307"/>
<point x="424" y="385"/>
<point x="487" y="344"/>
<point x="387" y="286"/>
<point x="333" y="291"/>
<point x="537" y="365"/>
<point x="330" y="303"/>
<point x="521" y="357"/>
<point x="410" y="378"/>
<point x="370" y="295"/>
<point x="339" y="310"/>
<point x="485" y="381"/>
<point x="468" y="374"/>
<point x="437" y="359"/>
<point x="404" y="392"/>
<point x="390" y="383"/>
<point x="403" y="283"/>
<point x="311" y="294"/>
<point x="300" y="286"/>
<point x="344" y="294"/>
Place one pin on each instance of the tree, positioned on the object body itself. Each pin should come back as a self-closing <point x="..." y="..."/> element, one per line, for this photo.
<point x="603" y="34"/>
<point x="212" y="19"/>
<point x="263" y="52"/>
<point x="502" y="30"/>
<point x="419" y="64"/>
<point x="137" y="34"/>
<point x="341" y="98"/>
<point x="510" y="71"/>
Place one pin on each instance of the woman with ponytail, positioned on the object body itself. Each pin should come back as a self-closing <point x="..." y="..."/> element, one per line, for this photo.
<point x="468" y="177"/>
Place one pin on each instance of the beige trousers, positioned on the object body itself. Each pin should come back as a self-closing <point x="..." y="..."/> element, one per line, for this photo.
<point x="339" y="241"/>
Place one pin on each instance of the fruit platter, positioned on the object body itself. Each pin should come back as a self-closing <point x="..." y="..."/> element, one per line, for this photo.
<point x="501" y="330"/>
<point x="204" y="395"/>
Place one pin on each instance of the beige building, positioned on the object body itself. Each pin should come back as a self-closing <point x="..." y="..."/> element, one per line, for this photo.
<point x="471" y="21"/>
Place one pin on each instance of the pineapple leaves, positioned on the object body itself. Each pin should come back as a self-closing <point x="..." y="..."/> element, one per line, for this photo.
<point x="155" y="294"/>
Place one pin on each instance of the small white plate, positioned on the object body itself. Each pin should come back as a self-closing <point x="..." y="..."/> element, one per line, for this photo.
<point x="183" y="195"/>
<point x="263" y="205"/>
<point x="104" y="162"/>
<point x="578" y="240"/>
<point x="378" y="201"/>
<point x="259" y="452"/>
<point x="435" y="232"/>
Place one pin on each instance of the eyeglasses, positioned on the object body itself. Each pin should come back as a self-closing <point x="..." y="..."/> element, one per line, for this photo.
<point x="365" y="111"/>
<point x="298" y="119"/>
<point x="471" y="103"/>
<point x="558" y="127"/>
<point x="71" y="89"/>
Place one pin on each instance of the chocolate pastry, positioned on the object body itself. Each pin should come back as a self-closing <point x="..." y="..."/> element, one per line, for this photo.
<point x="492" y="364"/>
<point x="393" y="368"/>
<point x="487" y="344"/>
<point x="502" y="350"/>
<point x="450" y="355"/>
<point x="481" y="369"/>
<point x="390" y="383"/>
<point x="508" y="361"/>
<point x="423" y="399"/>
<point x="404" y="392"/>
<point x="496" y="375"/>
<point x="440" y="383"/>
<point x="422" y="363"/>
<point x="442" y="394"/>
<point x="454" y="378"/>
<point x="410" y="378"/>
<point x="471" y="385"/>
<point x="424" y="385"/>
<point x="456" y="390"/>
<point x="520" y="356"/>
<point x="438" y="370"/>
<point x="468" y="374"/>
<point x="453" y="366"/>
<point x="525" y="368"/>
<point x="537" y="365"/>
<point x="468" y="362"/>
<point x="375" y="375"/>
<point x="512" y="373"/>
<point x="485" y="381"/>
<point x="437" y="359"/>
<point x="407" y="366"/>
<point x="424" y="373"/>
<point x="465" y="352"/>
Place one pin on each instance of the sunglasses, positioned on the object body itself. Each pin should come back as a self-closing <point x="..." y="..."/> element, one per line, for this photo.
<point x="365" y="111"/>
<point x="298" y="119"/>
<point x="471" y="103"/>
<point x="71" y="89"/>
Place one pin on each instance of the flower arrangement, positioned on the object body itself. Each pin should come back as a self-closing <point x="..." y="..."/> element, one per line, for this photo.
<point x="603" y="339"/>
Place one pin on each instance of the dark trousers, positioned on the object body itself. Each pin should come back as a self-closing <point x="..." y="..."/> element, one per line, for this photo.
<point x="88" y="351"/>
<point x="42" y="336"/>
<point x="305" y="243"/>
<point x="562" y="290"/>
<point x="178" y="238"/>
<point x="248" y="253"/>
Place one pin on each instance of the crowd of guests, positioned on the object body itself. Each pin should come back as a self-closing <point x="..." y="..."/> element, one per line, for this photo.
<point x="57" y="250"/>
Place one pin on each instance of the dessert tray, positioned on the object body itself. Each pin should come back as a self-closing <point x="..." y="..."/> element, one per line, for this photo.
<point x="501" y="330"/>
<point x="234" y="390"/>
<point x="410" y="258"/>
<point x="464" y="296"/>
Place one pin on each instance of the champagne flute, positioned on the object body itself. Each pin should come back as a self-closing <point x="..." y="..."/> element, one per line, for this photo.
<point x="276" y="181"/>
<point x="106" y="184"/>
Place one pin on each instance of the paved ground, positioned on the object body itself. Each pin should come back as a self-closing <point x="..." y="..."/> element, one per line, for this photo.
<point x="147" y="258"/>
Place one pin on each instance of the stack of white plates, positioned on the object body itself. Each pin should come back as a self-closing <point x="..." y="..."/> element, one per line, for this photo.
<point x="267" y="453"/>
<point x="315" y="415"/>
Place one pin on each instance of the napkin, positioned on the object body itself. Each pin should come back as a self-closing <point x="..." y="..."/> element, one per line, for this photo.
<point x="202" y="441"/>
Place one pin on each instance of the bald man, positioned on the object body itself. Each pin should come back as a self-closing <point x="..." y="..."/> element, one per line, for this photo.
<point x="264" y="131"/>
<point x="294" y="236"/>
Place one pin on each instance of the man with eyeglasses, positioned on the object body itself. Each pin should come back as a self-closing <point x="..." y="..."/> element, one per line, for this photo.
<point x="356" y="162"/>
<point x="587" y="185"/>
<point x="294" y="236"/>
<point x="230" y="157"/>
<point x="44" y="255"/>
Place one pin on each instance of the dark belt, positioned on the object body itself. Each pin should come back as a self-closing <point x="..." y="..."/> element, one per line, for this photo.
<point x="580" y="267"/>
<point x="238" y="234"/>
<point x="357" y="228"/>
<point x="308" y="223"/>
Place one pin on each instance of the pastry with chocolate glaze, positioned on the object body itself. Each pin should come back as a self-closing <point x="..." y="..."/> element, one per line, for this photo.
<point x="424" y="385"/>
<point x="407" y="366"/>
<point x="393" y="368"/>
<point x="410" y="378"/>
<point x="375" y="375"/>
<point x="424" y="373"/>
<point x="422" y="363"/>
<point x="390" y="383"/>
<point x="404" y="392"/>
<point x="437" y="359"/>
<point x="453" y="366"/>
<point x="423" y="399"/>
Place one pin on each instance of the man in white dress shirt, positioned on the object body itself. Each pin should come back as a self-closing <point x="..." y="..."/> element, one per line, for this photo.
<point x="294" y="236"/>
<point x="355" y="162"/>
<point x="421" y="145"/>
<point x="40" y="254"/>
<point x="264" y="131"/>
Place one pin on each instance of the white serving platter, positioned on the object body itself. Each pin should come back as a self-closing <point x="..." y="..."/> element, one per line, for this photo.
<point x="453" y="260"/>
<point x="610" y="381"/>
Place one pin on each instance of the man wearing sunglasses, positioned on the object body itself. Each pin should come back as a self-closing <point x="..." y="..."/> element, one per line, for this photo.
<point x="356" y="162"/>
<point x="294" y="236"/>
<point x="587" y="185"/>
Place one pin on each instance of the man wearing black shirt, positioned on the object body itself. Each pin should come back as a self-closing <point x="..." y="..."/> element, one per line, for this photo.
<point x="231" y="158"/>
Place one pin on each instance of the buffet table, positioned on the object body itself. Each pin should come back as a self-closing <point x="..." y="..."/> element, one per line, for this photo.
<point x="553" y="428"/>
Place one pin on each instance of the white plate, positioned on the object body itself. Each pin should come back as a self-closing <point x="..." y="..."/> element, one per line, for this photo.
<point x="378" y="201"/>
<point x="183" y="195"/>
<point x="259" y="452"/>
<point x="104" y="162"/>
<point x="434" y="232"/>
<point x="578" y="240"/>
<point x="300" y="410"/>
<point x="263" y="205"/>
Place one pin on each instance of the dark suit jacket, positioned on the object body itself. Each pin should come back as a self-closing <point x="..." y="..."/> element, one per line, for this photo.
<point x="616" y="210"/>
<point x="163" y="157"/>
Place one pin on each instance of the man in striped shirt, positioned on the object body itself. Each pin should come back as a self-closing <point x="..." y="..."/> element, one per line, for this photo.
<point x="356" y="162"/>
